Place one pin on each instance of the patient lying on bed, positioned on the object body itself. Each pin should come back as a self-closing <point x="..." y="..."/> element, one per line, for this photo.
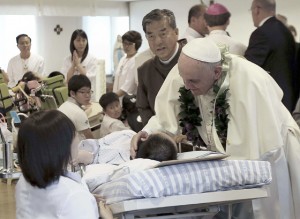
<point x="115" y="148"/>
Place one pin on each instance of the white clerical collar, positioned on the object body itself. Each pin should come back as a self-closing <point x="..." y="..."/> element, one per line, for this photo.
<point x="264" y="20"/>
<point x="223" y="32"/>
<point x="170" y="59"/>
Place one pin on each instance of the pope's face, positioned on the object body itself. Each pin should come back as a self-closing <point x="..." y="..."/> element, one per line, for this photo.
<point x="162" y="39"/>
<point x="198" y="77"/>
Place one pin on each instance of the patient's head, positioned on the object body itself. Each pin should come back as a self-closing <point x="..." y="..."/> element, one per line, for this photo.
<point x="158" y="146"/>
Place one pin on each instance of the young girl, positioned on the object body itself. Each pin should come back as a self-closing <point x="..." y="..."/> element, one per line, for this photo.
<point x="46" y="189"/>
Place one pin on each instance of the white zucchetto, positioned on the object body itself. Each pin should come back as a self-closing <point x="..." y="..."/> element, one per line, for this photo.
<point x="202" y="49"/>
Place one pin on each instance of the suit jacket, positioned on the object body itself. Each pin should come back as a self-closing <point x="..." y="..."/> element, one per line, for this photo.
<point x="272" y="47"/>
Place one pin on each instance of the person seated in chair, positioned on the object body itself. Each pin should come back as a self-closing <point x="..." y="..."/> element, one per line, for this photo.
<point x="112" y="109"/>
<point x="79" y="91"/>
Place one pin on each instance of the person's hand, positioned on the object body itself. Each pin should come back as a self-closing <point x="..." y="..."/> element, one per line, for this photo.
<point x="76" y="60"/>
<point x="105" y="211"/>
<point x="99" y="198"/>
<point x="133" y="144"/>
<point x="180" y="138"/>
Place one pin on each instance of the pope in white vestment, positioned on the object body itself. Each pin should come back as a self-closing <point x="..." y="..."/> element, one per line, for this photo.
<point x="259" y="127"/>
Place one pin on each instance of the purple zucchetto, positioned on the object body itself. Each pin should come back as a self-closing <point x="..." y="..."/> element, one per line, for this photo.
<point x="216" y="9"/>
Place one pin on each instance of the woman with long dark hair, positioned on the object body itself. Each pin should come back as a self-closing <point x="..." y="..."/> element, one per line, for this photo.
<point x="80" y="61"/>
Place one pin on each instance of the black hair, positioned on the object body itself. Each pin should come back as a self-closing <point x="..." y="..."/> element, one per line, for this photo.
<point x="55" y="73"/>
<point x="29" y="76"/>
<point x="157" y="15"/>
<point x="157" y="147"/>
<point x="196" y="11"/>
<point x="107" y="99"/>
<point x="216" y="20"/>
<point x="82" y="34"/>
<point x="22" y="35"/>
<point x="77" y="82"/>
<point x="133" y="37"/>
<point x="44" y="146"/>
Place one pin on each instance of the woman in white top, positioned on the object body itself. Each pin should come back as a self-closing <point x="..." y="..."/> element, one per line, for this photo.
<point x="80" y="61"/>
<point x="46" y="189"/>
<point x="124" y="82"/>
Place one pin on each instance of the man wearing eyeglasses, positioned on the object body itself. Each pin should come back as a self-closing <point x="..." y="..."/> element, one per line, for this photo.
<point x="272" y="47"/>
<point x="24" y="62"/>
<point x="79" y="91"/>
<point x="162" y="35"/>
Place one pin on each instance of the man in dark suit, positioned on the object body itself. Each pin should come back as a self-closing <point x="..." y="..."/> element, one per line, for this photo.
<point x="272" y="47"/>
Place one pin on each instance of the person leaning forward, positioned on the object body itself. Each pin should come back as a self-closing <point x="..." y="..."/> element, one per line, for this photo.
<point x="256" y="126"/>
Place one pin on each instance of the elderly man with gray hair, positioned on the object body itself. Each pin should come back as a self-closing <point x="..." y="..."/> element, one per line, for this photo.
<point x="161" y="32"/>
<point x="235" y="107"/>
<point x="272" y="47"/>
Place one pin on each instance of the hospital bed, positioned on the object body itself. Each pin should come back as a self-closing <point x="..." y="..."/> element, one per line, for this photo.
<point x="205" y="204"/>
<point x="198" y="188"/>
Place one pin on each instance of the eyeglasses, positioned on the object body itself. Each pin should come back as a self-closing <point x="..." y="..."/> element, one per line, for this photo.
<point x="90" y="92"/>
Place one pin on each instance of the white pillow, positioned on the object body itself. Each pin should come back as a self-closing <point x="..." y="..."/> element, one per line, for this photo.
<point x="97" y="174"/>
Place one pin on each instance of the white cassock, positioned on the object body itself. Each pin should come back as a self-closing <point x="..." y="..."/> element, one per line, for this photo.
<point x="220" y="37"/>
<point x="260" y="127"/>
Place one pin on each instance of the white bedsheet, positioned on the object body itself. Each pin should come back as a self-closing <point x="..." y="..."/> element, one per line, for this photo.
<point x="187" y="178"/>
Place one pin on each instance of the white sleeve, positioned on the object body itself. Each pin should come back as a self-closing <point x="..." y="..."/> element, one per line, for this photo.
<point x="129" y="86"/>
<point x="80" y="205"/>
<point x="42" y="67"/>
<point x="82" y="121"/>
<point x="66" y="66"/>
<point x="92" y="67"/>
<point x="11" y="82"/>
<point x="167" y="106"/>
<point x="117" y="126"/>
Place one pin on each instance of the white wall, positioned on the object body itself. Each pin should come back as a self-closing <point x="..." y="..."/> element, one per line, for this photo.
<point x="53" y="47"/>
<point x="241" y="24"/>
<point x="101" y="30"/>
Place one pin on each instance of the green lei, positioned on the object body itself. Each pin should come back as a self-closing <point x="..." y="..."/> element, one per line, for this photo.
<point x="190" y="118"/>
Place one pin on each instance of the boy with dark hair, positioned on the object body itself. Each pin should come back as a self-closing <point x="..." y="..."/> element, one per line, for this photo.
<point x="79" y="91"/>
<point x="111" y="122"/>
<point x="158" y="146"/>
